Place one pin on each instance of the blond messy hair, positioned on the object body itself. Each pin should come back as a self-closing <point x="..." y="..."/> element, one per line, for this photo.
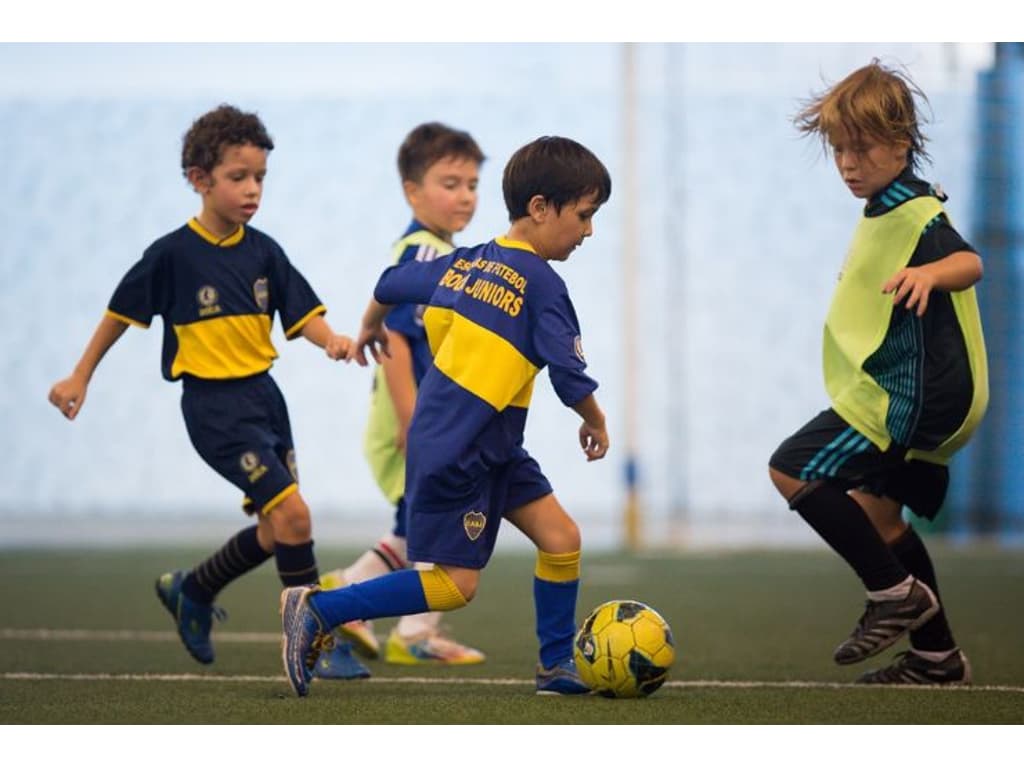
<point x="875" y="101"/>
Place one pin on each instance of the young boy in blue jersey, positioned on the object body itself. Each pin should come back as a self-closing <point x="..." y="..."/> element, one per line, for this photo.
<point x="439" y="168"/>
<point x="906" y="373"/>
<point x="217" y="284"/>
<point x="496" y="315"/>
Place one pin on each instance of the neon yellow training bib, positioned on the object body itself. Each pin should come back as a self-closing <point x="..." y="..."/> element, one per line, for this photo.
<point x="859" y="319"/>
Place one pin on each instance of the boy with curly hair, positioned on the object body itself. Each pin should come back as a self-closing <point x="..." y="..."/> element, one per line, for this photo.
<point x="217" y="283"/>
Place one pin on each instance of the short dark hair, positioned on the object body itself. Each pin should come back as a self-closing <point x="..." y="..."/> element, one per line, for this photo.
<point x="560" y="170"/>
<point x="203" y="144"/>
<point x="429" y="142"/>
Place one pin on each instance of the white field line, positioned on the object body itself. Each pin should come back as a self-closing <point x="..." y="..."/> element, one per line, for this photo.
<point x="150" y="677"/>
<point x="131" y="635"/>
<point x="127" y="635"/>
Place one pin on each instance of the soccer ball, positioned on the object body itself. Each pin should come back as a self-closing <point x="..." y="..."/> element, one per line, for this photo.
<point x="624" y="650"/>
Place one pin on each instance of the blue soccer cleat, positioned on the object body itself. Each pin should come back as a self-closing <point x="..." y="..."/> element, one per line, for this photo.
<point x="562" y="679"/>
<point x="339" y="663"/>
<point x="193" y="620"/>
<point x="304" y="637"/>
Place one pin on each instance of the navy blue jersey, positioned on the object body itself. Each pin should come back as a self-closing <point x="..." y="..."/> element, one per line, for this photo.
<point x="217" y="299"/>
<point x="497" y="314"/>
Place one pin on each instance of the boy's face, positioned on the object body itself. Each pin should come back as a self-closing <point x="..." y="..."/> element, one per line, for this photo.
<point x="866" y="164"/>
<point x="444" y="201"/>
<point x="231" y="192"/>
<point x="559" y="233"/>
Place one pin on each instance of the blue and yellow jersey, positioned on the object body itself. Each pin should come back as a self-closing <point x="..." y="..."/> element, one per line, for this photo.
<point x="497" y="315"/>
<point x="217" y="298"/>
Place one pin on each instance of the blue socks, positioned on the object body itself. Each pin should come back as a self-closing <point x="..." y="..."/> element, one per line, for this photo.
<point x="393" y="594"/>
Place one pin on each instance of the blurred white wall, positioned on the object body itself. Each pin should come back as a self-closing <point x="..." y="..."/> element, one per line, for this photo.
<point x="742" y="229"/>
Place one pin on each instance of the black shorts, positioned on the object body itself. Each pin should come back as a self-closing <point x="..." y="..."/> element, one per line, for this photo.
<point x="830" y="450"/>
<point x="240" y="427"/>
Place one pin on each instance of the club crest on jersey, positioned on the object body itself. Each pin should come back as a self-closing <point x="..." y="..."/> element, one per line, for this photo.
<point x="250" y="464"/>
<point x="578" y="346"/>
<point x="261" y="292"/>
<point x="474" y="522"/>
<point x="207" y="297"/>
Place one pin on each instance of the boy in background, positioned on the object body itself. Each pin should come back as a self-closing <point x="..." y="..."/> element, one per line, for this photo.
<point x="497" y="314"/>
<point x="439" y="168"/>
<point x="217" y="284"/>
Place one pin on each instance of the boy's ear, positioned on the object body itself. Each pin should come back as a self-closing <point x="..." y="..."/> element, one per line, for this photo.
<point x="410" y="188"/>
<point x="198" y="178"/>
<point x="537" y="209"/>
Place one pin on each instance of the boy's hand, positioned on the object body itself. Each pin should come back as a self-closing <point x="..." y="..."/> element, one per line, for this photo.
<point x="68" y="395"/>
<point x="594" y="441"/>
<point x="338" y="347"/>
<point x="374" y="337"/>
<point x="913" y="284"/>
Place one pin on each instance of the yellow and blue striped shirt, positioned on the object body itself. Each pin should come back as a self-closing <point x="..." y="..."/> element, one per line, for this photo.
<point x="217" y="299"/>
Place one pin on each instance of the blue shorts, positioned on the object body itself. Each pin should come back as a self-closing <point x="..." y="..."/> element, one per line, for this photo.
<point x="462" y="531"/>
<point x="240" y="428"/>
<point x="401" y="519"/>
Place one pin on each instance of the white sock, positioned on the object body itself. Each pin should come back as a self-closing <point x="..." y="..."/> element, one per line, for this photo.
<point x="897" y="592"/>
<point x="387" y="556"/>
<point x="418" y="624"/>
<point x="935" y="656"/>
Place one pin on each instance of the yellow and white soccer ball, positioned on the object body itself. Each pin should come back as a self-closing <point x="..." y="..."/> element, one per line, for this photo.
<point x="624" y="649"/>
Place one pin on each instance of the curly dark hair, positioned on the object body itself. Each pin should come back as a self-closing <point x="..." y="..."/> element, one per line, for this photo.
<point x="558" y="169"/>
<point x="203" y="145"/>
<point x="430" y="142"/>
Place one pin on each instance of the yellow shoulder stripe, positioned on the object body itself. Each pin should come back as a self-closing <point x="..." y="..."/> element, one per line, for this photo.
<point x="489" y="366"/>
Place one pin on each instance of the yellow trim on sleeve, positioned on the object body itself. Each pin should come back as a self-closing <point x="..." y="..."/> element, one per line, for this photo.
<point x="440" y="591"/>
<point x="269" y="506"/>
<point x="293" y="331"/>
<point x="126" y="319"/>
<point x="558" y="568"/>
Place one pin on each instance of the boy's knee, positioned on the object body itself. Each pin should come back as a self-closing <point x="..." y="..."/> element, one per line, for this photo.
<point x="291" y="520"/>
<point x="449" y="588"/>
<point x="787" y="486"/>
<point x="565" y="537"/>
<point x="466" y="581"/>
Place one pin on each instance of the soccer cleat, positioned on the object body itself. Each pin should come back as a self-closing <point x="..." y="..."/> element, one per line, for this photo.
<point x="193" y="620"/>
<point x="360" y="635"/>
<point x="303" y="638"/>
<point x="432" y="648"/>
<point x="562" y="679"/>
<point x="910" y="669"/>
<point x="885" y="621"/>
<point x="339" y="663"/>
